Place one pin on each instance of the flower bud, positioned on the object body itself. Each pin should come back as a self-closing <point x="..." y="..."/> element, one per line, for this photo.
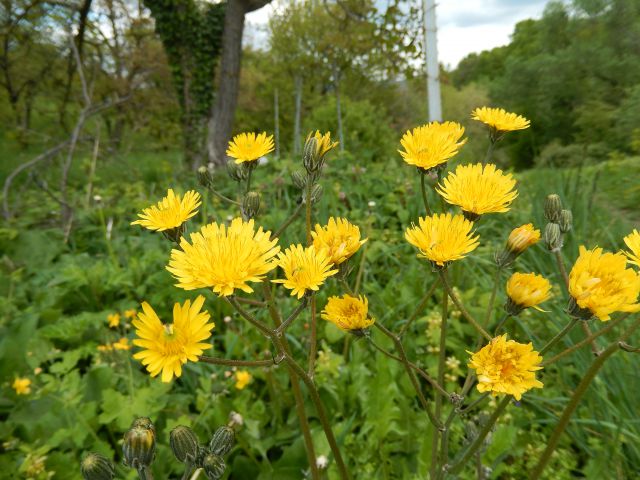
<point x="566" y="221"/>
<point x="553" y="237"/>
<point x="251" y="205"/>
<point x="204" y="177"/>
<point x="97" y="467"/>
<point x="184" y="444"/>
<point x="222" y="441"/>
<point x="522" y="238"/>
<point x="213" y="466"/>
<point x="310" y="158"/>
<point x="552" y="208"/>
<point x="139" y="445"/>
<point x="235" y="171"/>
<point x="316" y="193"/>
<point x="299" y="179"/>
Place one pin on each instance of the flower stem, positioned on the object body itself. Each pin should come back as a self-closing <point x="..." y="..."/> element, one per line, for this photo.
<point x="287" y="222"/>
<point x="313" y="340"/>
<point x="494" y="292"/>
<point x="423" y="187"/>
<point x="501" y="323"/>
<point x="489" y="155"/>
<point x="222" y="197"/>
<point x="559" y="336"/>
<point x="477" y="443"/>
<point x="144" y="473"/>
<point x="419" y="308"/>
<point x="447" y="285"/>
<point x="284" y="325"/>
<point x="247" y="316"/>
<point x="307" y="202"/>
<point x="236" y="363"/>
<point x="442" y="356"/>
<point x="578" y="393"/>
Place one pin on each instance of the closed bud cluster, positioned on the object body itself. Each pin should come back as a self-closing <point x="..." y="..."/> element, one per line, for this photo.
<point x="236" y="171"/>
<point x="139" y="445"/>
<point x="250" y="205"/>
<point x="204" y="177"/>
<point x="566" y="221"/>
<point x="184" y="444"/>
<point x="213" y="466"/>
<point x="97" y="467"/>
<point x="552" y="208"/>
<point x="553" y="237"/>
<point x="222" y="441"/>
<point x="299" y="179"/>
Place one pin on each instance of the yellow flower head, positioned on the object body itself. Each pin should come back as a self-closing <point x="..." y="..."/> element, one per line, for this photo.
<point x="522" y="238"/>
<point x="323" y="143"/>
<point x="633" y="242"/>
<point x="442" y="238"/>
<point x="527" y="290"/>
<point x="348" y="313"/>
<point x="339" y="239"/>
<point x="506" y="366"/>
<point x="170" y="212"/>
<point x="499" y="119"/>
<point x="168" y="346"/>
<point x="224" y="258"/>
<point x="242" y="379"/>
<point x="105" y="348"/>
<point x="130" y="314"/>
<point x="22" y="386"/>
<point x="478" y="189"/>
<point x="248" y="147"/>
<point x="601" y="284"/>
<point x="122" y="344"/>
<point x="304" y="269"/>
<point x="114" y="320"/>
<point x="432" y="144"/>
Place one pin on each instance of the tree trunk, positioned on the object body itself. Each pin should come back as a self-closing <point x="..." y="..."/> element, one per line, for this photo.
<point x="224" y="108"/>
<point x="298" y="113"/>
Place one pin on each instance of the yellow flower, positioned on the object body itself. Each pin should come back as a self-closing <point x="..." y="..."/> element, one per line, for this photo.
<point x="478" y="189"/>
<point x="522" y="238"/>
<point x="130" y="314"/>
<point x="304" y="269"/>
<point x="323" y="143"/>
<point x="633" y="242"/>
<point x="506" y="366"/>
<point x="105" y="348"/>
<point x="122" y="344"/>
<point x="499" y="119"/>
<point x="224" y="258"/>
<point x="348" y="313"/>
<point x="113" y="319"/>
<point x="242" y="379"/>
<point x="442" y="238"/>
<point x="339" y="239"/>
<point x="601" y="284"/>
<point x="22" y="386"/>
<point x="168" y="346"/>
<point x="247" y="147"/>
<point x="432" y="144"/>
<point x="527" y="290"/>
<point x="170" y="212"/>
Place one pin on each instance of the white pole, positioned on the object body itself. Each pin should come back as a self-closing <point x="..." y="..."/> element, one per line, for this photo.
<point x="431" y="60"/>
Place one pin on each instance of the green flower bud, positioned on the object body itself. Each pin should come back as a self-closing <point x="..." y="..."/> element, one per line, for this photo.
<point x="222" y="441"/>
<point x="251" y="205"/>
<point x="213" y="466"/>
<point x="184" y="444"/>
<point x="299" y="179"/>
<point x="553" y="237"/>
<point x="97" y="467"/>
<point x="204" y="177"/>
<point x="552" y="208"/>
<point x="310" y="158"/>
<point x="566" y="221"/>
<point x="316" y="194"/>
<point x="139" y="445"/>
<point x="236" y="171"/>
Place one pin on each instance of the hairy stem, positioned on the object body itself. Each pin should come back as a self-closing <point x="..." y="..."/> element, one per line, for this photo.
<point x="447" y="285"/>
<point x="442" y="356"/>
<point x="492" y="300"/>
<point x="313" y="340"/>
<point x="423" y="187"/>
<point x="236" y="363"/>
<point x="559" y="336"/>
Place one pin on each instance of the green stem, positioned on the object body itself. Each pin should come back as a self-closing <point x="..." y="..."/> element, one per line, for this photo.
<point x="222" y="197"/>
<point x="494" y="292"/>
<point x="247" y="316"/>
<point x="574" y="401"/>
<point x="419" y="309"/>
<point x="442" y="356"/>
<point x="249" y="179"/>
<point x="489" y="154"/>
<point x="477" y="443"/>
<point x="423" y="187"/>
<point x="559" y="336"/>
<point x="313" y="340"/>
<point x="447" y="285"/>
<point x="307" y="202"/>
<point x="501" y="323"/>
<point x="287" y="222"/>
<point x="284" y="325"/>
<point x="144" y="473"/>
<point x="188" y="470"/>
<point x="236" y="363"/>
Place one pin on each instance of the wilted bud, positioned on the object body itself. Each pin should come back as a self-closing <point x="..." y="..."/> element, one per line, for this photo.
<point x="184" y="444"/>
<point x="299" y="179"/>
<point x="139" y="445"/>
<point x="97" y="467"/>
<point x="222" y="441"/>
<point x="553" y="237"/>
<point x="236" y="171"/>
<point x="251" y="205"/>
<point x="566" y="221"/>
<point x="204" y="177"/>
<point x="310" y="158"/>
<point x="552" y="208"/>
<point x="213" y="466"/>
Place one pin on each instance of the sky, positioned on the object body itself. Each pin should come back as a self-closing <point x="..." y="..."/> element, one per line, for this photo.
<point x="464" y="26"/>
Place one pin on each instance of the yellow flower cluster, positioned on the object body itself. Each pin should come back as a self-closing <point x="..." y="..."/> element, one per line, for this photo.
<point x="242" y="379"/>
<point x="122" y="344"/>
<point x="22" y="386"/>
